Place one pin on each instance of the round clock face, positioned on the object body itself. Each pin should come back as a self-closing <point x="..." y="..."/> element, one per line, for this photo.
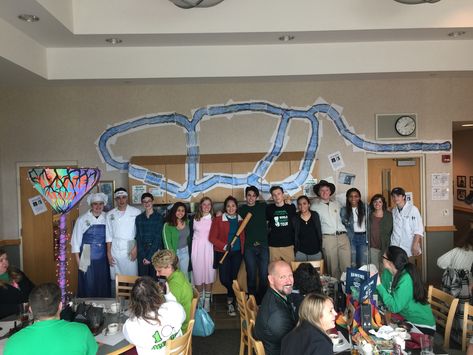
<point x="405" y="125"/>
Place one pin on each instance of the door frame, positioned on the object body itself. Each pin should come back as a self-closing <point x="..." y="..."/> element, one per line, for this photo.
<point x="422" y="194"/>
<point x="55" y="163"/>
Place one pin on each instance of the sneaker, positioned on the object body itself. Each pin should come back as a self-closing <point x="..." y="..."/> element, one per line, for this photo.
<point x="231" y="310"/>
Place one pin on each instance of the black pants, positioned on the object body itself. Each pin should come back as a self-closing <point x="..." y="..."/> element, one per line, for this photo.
<point x="228" y="271"/>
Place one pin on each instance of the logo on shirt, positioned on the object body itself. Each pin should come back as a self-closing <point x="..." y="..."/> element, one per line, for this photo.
<point x="160" y="337"/>
<point x="281" y="219"/>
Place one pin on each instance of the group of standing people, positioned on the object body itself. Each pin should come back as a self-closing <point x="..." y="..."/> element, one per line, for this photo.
<point x="124" y="240"/>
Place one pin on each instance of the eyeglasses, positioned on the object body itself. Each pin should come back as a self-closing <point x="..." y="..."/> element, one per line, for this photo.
<point x="147" y="201"/>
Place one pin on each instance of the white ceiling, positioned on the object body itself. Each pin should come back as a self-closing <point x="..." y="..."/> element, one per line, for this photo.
<point x="237" y="38"/>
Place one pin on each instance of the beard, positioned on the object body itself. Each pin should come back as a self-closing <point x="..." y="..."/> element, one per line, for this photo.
<point x="285" y="290"/>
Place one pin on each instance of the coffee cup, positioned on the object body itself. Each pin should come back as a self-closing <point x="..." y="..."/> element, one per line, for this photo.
<point x="112" y="328"/>
<point x="115" y="307"/>
<point x="335" y="338"/>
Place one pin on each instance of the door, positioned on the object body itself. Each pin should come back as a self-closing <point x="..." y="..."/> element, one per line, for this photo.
<point x="387" y="173"/>
<point x="37" y="241"/>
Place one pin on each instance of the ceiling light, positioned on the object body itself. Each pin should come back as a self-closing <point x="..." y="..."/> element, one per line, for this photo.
<point x="467" y="125"/>
<point x="189" y="4"/>
<point x="28" y="18"/>
<point x="455" y="34"/>
<point x="114" y="41"/>
<point x="286" y="38"/>
<point x="416" y="2"/>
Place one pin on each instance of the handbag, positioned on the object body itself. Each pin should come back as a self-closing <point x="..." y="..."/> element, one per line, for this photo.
<point x="204" y="325"/>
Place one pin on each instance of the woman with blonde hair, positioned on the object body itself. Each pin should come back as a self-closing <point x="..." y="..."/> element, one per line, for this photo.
<point x="316" y="317"/>
<point x="154" y="318"/>
<point x="202" y="255"/>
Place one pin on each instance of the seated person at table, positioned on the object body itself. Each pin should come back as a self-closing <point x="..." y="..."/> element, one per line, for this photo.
<point x="316" y="317"/>
<point x="15" y="287"/>
<point x="166" y="264"/>
<point x="276" y="315"/>
<point x="403" y="292"/>
<point x="49" y="335"/>
<point x="306" y="280"/>
<point x="154" y="318"/>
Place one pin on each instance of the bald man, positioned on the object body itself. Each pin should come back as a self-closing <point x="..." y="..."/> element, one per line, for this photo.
<point x="276" y="315"/>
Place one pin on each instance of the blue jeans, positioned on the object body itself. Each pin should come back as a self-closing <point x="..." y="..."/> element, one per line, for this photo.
<point x="359" y="249"/>
<point x="228" y="271"/>
<point x="257" y="257"/>
<point x="183" y="255"/>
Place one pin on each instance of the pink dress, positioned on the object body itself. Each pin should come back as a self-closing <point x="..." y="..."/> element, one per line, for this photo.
<point x="202" y="252"/>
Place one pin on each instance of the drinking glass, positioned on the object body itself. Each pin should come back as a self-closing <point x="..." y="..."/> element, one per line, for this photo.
<point x="426" y="344"/>
<point x="24" y="312"/>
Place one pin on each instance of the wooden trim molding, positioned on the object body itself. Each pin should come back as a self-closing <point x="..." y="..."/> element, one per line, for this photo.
<point x="463" y="209"/>
<point x="7" y="242"/>
<point x="440" y="229"/>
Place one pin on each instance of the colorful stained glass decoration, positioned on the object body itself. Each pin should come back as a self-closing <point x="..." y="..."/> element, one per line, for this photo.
<point x="63" y="188"/>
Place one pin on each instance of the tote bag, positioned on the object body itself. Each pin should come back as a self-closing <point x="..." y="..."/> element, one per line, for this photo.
<point x="204" y="325"/>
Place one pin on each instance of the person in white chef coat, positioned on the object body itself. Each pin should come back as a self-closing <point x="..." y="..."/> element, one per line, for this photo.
<point x="121" y="236"/>
<point x="90" y="251"/>
<point x="408" y="228"/>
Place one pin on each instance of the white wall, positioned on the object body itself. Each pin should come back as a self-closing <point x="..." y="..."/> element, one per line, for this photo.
<point x="63" y="123"/>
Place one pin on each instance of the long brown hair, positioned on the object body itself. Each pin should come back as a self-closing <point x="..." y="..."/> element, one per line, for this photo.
<point x="145" y="299"/>
<point x="171" y="217"/>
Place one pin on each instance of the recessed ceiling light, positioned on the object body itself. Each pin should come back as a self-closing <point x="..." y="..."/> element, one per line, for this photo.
<point x="113" y="41"/>
<point x="28" y="18"/>
<point x="455" y="34"/>
<point x="467" y="125"/>
<point x="286" y="38"/>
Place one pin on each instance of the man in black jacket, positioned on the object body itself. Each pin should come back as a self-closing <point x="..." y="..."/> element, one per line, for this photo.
<point x="276" y="315"/>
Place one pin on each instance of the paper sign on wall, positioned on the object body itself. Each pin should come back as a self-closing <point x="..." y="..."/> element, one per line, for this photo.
<point x="37" y="205"/>
<point x="336" y="161"/>
<point x="136" y="192"/>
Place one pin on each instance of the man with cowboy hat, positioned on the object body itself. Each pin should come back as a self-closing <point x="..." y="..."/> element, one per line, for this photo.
<point x="121" y="249"/>
<point x="90" y="251"/>
<point x="335" y="243"/>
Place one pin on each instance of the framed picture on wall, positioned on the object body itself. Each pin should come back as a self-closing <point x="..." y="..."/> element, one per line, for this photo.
<point x="461" y="181"/>
<point x="461" y="194"/>
<point x="471" y="182"/>
<point x="107" y="187"/>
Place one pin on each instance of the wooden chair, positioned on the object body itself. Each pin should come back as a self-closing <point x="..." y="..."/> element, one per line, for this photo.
<point x="467" y="325"/>
<point x="241" y="302"/>
<point x="123" y="285"/>
<point x="182" y="344"/>
<point x="255" y="345"/>
<point x="251" y="308"/>
<point x="444" y="307"/>
<point x="319" y="265"/>
<point x="195" y="300"/>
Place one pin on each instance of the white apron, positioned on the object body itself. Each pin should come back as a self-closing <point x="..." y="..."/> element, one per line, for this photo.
<point x="121" y="233"/>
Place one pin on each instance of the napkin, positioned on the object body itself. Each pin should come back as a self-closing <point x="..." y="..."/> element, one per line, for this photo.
<point x="110" y="339"/>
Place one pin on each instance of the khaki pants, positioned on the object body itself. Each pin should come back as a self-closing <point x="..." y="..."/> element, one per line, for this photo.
<point x="375" y="256"/>
<point x="337" y="253"/>
<point x="284" y="253"/>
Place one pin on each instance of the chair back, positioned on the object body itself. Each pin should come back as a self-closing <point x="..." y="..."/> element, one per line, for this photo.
<point x="467" y="325"/>
<point x="195" y="299"/>
<point x="182" y="344"/>
<point x="444" y="307"/>
<point x="123" y="285"/>
<point x="318" y="264"/>
<point x="256" y="345"/>
<point x="251" y="308"/>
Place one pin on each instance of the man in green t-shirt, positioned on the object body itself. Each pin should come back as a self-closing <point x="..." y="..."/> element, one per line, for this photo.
<point x="49" y="335"/>
<point x="256" y="243"/>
